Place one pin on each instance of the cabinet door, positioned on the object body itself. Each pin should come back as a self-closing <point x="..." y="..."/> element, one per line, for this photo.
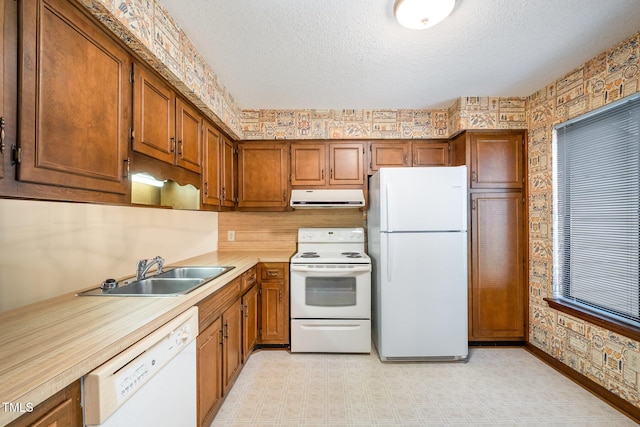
<point x="211" y="165"/>
<point x="497" y="160"/>
<point x="227" y="173"/>
<point x="75" y="94"/>
<point x="388" y="154"/>
<point x="189" y="136"/>
<point x="153" y="116"/>
<point x="274" y="303"/>
<point x="263" y="175"/>
<point x="62" y="409"/>
<point x="232" y="348"/>
<point x="430" y="153"/>
<point x="209" y="368"/>
<point x="497" y="266"/>
<point x="308" y="164"/>
<point x="346" y="163"/>
<point x="249" y="322"/>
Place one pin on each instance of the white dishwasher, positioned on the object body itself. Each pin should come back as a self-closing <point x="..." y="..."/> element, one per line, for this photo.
<point x="152" y="383"/>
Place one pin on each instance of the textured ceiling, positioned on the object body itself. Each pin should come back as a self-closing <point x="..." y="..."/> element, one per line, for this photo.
<point x="351" y="54"/>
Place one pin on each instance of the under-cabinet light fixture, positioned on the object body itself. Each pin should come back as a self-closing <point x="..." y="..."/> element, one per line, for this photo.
<point x="421" y="14"/>
<point x="144" y="178"/>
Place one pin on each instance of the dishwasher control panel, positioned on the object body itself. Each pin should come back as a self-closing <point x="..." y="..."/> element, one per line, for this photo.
<point x="110" y="385"/>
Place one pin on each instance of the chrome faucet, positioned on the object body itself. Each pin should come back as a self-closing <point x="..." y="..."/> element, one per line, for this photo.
<point x="145" y="264"/>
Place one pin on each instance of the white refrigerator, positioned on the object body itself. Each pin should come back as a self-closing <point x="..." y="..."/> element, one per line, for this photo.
<point x="417" y="241"/>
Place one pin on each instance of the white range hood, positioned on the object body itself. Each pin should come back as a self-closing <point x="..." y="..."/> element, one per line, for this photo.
<point x="329" y="198"/>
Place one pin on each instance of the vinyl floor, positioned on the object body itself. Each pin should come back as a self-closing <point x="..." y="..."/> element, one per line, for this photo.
<point x="496" y="387"/>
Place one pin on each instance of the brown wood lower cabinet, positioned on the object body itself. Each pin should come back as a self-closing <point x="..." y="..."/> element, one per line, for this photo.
<point x="209" y="369"/>
<point x="61" y="409"/>
<point x="249" y="322"/>
<point x="232" y="345"/>
<point x="274" y="303"/>
<point x="228" y="322"/>
<point x="497" y="266"/>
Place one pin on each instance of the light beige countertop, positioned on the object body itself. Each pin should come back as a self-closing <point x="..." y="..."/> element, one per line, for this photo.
<point x="47" y="345"/>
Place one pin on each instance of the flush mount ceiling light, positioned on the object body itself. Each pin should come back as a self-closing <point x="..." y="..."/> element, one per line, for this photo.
<point x="421" y="14"/>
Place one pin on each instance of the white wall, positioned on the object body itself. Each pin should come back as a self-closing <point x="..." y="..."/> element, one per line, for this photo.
<point x="52" y="248"/>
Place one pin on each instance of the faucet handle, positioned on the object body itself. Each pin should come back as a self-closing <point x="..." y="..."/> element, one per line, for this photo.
<point x="160" y="262"/>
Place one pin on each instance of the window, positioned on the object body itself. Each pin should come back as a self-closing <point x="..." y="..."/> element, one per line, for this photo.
<point x="596" y="217"/>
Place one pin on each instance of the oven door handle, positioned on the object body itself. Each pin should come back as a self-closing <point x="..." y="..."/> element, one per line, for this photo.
<point x="334" y="271"/>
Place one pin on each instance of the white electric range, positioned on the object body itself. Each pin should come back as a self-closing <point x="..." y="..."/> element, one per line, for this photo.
<point x="331" y="292"/>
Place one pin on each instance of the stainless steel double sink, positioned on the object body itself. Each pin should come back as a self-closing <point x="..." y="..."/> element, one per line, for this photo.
<point x="177" y="281"/>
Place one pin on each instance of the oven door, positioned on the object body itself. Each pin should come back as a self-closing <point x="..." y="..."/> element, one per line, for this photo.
<point x="328" y="291"/>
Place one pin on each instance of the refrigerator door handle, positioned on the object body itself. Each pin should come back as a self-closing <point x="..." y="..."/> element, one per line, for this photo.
<point x="388" y="211"/>
<point x="389" y="258"/>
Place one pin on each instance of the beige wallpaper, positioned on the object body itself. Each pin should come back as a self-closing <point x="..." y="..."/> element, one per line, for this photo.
<point x="609" y="359"/>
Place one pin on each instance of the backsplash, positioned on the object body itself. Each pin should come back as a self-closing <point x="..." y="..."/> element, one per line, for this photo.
<point x="53" y="248"/>
<point x="607" y="358"/>
<point x="279" y="230"/>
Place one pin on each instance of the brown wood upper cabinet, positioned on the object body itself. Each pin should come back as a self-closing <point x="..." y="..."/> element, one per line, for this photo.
<point x="430" y="153"/>
<point x="402" y="153"/>
<point x="74" y="100"/>
<point x="322" y="164"/>
<point x="218" y="187"/>
<point x="388" y="154"/>
<point x="165" y="127"/>
<point x="263" y="172"/>
<point x="496" y="160"/>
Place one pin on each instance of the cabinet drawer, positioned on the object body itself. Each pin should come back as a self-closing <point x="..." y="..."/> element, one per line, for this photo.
<point x="211" y="307"/>
<point x="272" y="271"/>
<point x="249" y="279"/>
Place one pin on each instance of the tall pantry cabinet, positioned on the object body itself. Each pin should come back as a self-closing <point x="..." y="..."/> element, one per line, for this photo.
<point x="497" y="232"/>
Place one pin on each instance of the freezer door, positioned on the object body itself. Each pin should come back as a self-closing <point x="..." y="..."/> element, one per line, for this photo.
<point x="422" y="311"/>
<point x="423" y="199"/>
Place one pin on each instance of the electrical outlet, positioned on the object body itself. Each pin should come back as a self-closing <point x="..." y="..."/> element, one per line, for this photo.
<point x="231" y="236"/>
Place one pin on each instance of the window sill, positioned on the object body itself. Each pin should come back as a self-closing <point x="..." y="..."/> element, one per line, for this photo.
<point x="596" y="318"/>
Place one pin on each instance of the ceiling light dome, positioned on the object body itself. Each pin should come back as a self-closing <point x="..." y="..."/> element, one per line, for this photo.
<point x="421" y="14"/>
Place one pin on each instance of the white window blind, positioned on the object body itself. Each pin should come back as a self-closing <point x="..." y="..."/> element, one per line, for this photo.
<point x="596" y="218"/>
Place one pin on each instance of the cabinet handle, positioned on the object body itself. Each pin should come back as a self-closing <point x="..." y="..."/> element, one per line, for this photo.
<point x="221" y="337"/>
<point x="474" y="176"/>
<point x="127" y="163"/>
<point x="405" y="159"/>
<point x="206" y="188"/>
<point x="322" y="174"/>
<point x="173" y="145"/>
<point x="415" y="159"/>
<point x="272" y="273"/>
<point x="1" y="134"/>
<point x="473" y="205"/>
<point x="246" y="311"/>
<point x="224" y="192"/>
<point x="180" y="147"/>
<point x="226" y="331"/>
<point x="284" y="196"/>
<point x="280" y="294"/>
<point x="331" y="172"/>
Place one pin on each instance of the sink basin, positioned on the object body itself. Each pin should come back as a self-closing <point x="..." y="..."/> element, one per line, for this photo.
<point x="194" y="272"/>
<point x="177" y="281"/>
<point x="157" y="286"/>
